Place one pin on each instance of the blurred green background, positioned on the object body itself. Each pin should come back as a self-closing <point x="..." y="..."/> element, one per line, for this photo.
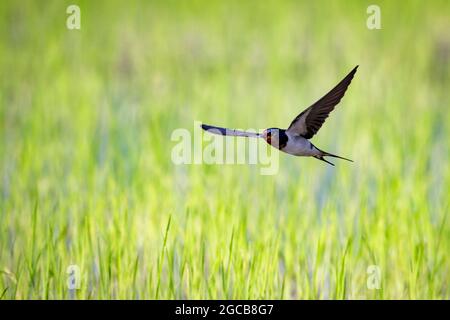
<point x="87" y="177"/>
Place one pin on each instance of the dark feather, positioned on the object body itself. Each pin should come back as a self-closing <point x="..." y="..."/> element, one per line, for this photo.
<point x="311" y="119"/>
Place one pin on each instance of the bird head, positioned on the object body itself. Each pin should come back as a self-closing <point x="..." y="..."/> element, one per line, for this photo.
<point x="272" y="136"/>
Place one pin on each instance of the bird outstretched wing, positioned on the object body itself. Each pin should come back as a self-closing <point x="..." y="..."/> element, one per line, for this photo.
<point x="229" y="132"/>
<point x="307" y="123"/>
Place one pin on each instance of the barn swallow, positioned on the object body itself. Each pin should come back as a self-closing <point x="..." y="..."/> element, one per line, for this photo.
<point x="295" y="139"/>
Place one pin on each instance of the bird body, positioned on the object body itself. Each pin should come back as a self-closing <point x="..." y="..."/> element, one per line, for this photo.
<point x="299" y="146"/>
<point x="295" y="139"/>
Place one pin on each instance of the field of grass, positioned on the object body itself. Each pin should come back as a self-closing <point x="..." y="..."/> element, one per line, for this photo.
<point x="86" y="118"/>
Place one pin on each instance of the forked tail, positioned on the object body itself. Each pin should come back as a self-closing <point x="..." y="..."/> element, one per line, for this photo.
<point x="327" y="154"/>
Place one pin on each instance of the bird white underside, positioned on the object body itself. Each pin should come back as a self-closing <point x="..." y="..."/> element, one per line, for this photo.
<point x="299" y="146"/>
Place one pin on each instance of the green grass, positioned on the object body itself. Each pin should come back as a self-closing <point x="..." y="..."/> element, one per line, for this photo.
<point x="87" y="177"/>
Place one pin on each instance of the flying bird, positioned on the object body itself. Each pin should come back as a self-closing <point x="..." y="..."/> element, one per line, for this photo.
<point x="295" y="139"/>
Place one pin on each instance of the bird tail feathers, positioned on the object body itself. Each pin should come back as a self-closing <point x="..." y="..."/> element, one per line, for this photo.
<point x="327" y="154"/>
<point x="334" y="156"/>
